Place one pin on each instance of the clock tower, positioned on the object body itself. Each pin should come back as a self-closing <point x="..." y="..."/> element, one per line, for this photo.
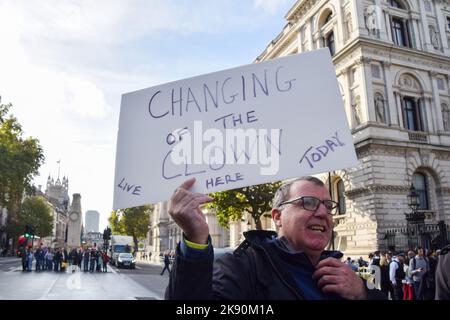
<point x="74" y="222"/>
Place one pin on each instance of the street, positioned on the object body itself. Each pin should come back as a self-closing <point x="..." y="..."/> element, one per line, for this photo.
<point x="144" y="282"/>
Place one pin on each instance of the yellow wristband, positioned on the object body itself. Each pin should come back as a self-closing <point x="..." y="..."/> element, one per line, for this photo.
<point x="194" y="245"/>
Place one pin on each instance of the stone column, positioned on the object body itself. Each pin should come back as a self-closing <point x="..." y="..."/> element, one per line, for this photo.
<point x="387" y="20"/>
<point x="439" y="126"/>
<point x="441" y="28"/>
<point x="358" y="18"/>
<point x="426" y="35"/>
<point x="162" y="232"/>
<point x="427" y="106"/>
<point x="384" y="35"/>
<point x="414" y="26"/>
<point x="348" y="91"/>
<point x="398" y="100"/>
<point x="299" y="40"/>
<point x="338" y="28"/>
<point x="367" y="90"/>
<point x="390" y="97"/>
<point x="310" y="34"/>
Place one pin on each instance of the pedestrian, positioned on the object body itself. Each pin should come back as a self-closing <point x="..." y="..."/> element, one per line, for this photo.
<point x="166" y="262"/>
<point x="443" y="275"/>
<point x="419" y="267"/>
<point x="397" y="275"/>
<point x="86" y="256"/>
<point x="23" y="256"/>
<point x="57" y="258"/>
<point x="105" y="261"/>
<point x="49" y="259"/>
<point x="408" y="288"/>
<point x="288" y="264"/>
<point x="30" y="256"/>
<point x="74" y="259"/>
<point x="92" y="260"/>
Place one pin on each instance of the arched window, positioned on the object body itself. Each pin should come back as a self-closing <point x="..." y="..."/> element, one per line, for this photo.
<point x="328" y="18"/>
<point x="326" y="30"/>
<point x="401" y="34"/>
<point x="341" y="197"/>
<point x="445" y="117"/>
<point x="396" y="4"/>
<point x="420" y="183"/>
<point x="330" y="43"/>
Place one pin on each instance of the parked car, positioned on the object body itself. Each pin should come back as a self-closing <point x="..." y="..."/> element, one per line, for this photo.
<point x="126" y="260"/>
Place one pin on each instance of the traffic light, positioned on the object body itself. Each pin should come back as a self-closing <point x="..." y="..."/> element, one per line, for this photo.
<point x="27" y="233"/>
<point x="107" y="233"/>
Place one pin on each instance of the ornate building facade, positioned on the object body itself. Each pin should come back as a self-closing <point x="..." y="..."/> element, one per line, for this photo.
<point x="57" y="194"/>
<point x="164" y="234"/>
<point x="392" y="61"/>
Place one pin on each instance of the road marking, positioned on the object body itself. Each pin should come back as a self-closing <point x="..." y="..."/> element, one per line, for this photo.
<point x="12" y="269"/>
<point x="113" y="270"/>
<point x="139" y="268"/>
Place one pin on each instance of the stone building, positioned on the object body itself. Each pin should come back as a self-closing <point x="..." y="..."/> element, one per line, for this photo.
<point x="164" y="234"/>
<point x="57" y="195"/>
<point x="392" y="61"/>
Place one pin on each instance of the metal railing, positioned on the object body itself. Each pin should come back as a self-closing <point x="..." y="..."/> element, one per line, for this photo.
<point x="428" y="236"/>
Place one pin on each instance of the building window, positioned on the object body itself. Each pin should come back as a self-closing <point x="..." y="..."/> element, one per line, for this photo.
<point x="400" y="32"/>
<point x="330" y="43"/>
<point x="395" y="4"/>
<point x="376" y="73"/>
<point x="353" y="77"/>
<point x="411" y="114"/>
<point x="420" y="184"/>
<point x="440" y="84"/>
<point x="328" y="18"/>
<point x="448" y="23"/>
<point x="341" y="196"/>
<point x="445" y="116"/>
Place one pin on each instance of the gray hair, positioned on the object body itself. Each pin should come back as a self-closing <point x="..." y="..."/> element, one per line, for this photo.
<point x="282" y="193"/>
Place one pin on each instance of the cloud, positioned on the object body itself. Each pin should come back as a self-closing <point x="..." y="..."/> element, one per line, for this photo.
<point x="65" y="63"/>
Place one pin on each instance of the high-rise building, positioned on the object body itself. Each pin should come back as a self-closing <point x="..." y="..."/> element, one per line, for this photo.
<point x="91" y="221"/>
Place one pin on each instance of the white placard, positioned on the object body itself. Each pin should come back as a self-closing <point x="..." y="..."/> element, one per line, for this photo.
<point x="254" y="124"/>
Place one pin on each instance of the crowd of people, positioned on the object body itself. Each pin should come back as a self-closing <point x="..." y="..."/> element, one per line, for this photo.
<point x="59" y="259"/>
<point x="403" y="275"/>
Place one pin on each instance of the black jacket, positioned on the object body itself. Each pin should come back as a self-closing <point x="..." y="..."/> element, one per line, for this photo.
<point x="253" y="272"/>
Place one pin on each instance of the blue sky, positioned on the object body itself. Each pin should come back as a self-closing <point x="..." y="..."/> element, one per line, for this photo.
<point x="65" y="64"/>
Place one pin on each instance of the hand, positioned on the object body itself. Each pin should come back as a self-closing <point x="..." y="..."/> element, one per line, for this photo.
<point x="335" y="276"/>
<point x="184" y="209"/>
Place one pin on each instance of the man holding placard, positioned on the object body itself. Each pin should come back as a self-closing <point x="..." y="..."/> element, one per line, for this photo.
<point x="263" y="122"/>
<point x="289" y="265"/>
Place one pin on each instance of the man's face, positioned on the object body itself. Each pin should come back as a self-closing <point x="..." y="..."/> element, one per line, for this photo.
<point x="305" y="230"/>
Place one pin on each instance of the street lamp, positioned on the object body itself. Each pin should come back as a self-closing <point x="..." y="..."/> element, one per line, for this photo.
<point x="414" y="220"/>
<point x="413" y="198"/>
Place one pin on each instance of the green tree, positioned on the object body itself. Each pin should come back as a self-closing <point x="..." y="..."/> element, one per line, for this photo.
<point x="20" y="159"/>
<point x="132" y="221"/>
<point x="115" y="223"/>
<point x="230" y="205"/>
<point x="37" y="213"/>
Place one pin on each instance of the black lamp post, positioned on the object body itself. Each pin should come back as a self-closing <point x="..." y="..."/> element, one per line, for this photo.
<point x="415" y="219"/>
